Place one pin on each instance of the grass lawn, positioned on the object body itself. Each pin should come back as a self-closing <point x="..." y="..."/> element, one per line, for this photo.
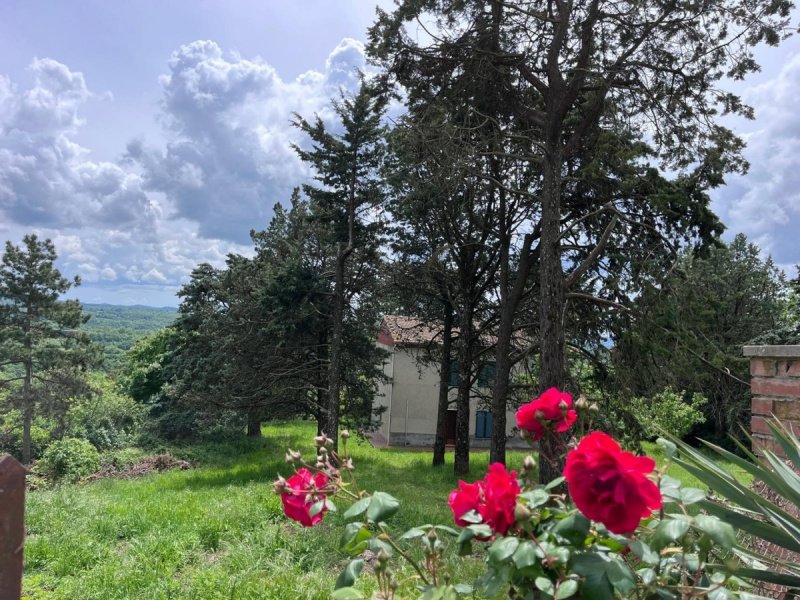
<point x="217" y="531"/>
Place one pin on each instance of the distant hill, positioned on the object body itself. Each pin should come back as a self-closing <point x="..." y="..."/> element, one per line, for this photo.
<point x="118" y="327"/>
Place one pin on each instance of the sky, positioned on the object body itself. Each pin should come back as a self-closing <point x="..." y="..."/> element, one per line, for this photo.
<point x="147" y="137"/>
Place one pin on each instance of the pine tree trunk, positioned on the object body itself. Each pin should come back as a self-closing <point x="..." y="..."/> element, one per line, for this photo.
<point x="497" y="452"/>
<point x="551" y="309"/>
<point x="444" y="388"/>
<point x="461" y="458"/>
<point x="335" y="355"/>
<point x="254" y="423"/>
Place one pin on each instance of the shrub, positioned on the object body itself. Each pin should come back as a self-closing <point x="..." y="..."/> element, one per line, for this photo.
<point x="70" y="458"/>
<point x="668" y="412"/>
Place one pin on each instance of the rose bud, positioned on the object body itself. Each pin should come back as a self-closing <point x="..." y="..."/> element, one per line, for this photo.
<point x="529" y="464"/>
<point x="321" y="440"/>
<point x="296" y="456"/>
<point x="323" y="450"/>
<point x="345" y="434"/>
<point x="521" y="513"/>
<point x="581" y="403"/>
<point x="348" y="465"/>
<point x="563" y="406"/>
<point x="540" y="416"/>
<point x="279" y="485"/>
<point x="432" y="537"/>
<point x="382" y="557"/>
<point x="594" y="407"/>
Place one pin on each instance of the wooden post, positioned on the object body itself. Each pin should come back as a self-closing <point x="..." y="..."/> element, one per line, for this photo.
<point x="12" y="527"/>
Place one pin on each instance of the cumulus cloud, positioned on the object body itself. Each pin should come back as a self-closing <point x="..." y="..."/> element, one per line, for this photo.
<point x="46" y="178"/>
<point x="144" y="221"/>
<point x="229" y="158"/>
<point x="765" y="203"/>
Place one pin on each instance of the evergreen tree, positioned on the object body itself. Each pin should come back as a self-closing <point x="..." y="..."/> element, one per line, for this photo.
<point x="43" y="353"/>
<point x="348" y="198"/>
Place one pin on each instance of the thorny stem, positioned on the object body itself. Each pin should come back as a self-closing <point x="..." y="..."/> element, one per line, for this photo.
<point x="400" y="551"/>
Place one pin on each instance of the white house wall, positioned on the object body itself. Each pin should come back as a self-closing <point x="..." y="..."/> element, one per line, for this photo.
<point x="411" y="398"/>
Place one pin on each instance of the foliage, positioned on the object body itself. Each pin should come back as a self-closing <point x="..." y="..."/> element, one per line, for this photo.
<point x="688" y="334"/>
<point x="669" y="412"/>
<point x="773" y="520"/>
<point x="70" y="458"/>
<point x="107" y="418"/>
<point x="118" y="328"/>
<point x="44" y="353"/>
<point x="538" y="544"/>
<point x="11" y="434"/>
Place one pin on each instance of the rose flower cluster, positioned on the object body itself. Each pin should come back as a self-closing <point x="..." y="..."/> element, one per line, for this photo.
<point x="607" y="484"/>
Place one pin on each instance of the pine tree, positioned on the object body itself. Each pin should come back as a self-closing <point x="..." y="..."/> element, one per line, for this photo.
<point x="43" y="353"/>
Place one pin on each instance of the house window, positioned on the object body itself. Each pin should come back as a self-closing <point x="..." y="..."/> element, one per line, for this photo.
<point x="486" y="375"/>
<point x="483" y="424"/>
<point x="453" y="379"/>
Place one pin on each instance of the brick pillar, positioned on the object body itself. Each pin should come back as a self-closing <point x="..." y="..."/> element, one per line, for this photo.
<point x="775" y="390"/>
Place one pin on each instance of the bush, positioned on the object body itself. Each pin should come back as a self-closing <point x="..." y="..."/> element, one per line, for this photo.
<point x="668" y="412"/>
<point x="108" y="419"/>
<point x="70" y="458"/>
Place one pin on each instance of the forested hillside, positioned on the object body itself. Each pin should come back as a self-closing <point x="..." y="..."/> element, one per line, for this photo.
<point x="118" y="327"/>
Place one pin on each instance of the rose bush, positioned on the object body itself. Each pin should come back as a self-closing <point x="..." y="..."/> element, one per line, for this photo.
<point x="537" y="544"/>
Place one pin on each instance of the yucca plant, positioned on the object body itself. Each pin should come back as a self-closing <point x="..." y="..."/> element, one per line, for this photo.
<point x="758" y="517"/>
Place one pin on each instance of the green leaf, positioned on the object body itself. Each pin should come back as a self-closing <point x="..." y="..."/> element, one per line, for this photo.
<point x="537" y="497"/>
<point x="566" y="589"/>
<point x="545" y="585"/>
<point x="502" y="549"/>
<point x="347" y="593"/>
<point x="357" y="509"/>
<point x="525" y="555"/>
<point x="471" y="516"/>
<point x="644" y="552"/>
<point x="359" y="542"/>
<point x="621" y="577"/>
<point x="668" y="531"/>
<point x="669" y="448"/>
<point x="692" y="495"/>
<point x="648" y="576"/>
<point x="349" y="533"/>
<point x="573" y="528"/>
<point x="316" y="508"/>
<point x="382" y="506"/>
<point x="592" y="567"/>
<point x="555" y="483"/>
<point x="770" y="577"/>
<point x="350" y="573"/>
<point x="412" y="533"/>
<point x="722" y="533"/>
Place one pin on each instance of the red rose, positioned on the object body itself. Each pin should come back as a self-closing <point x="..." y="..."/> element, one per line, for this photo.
<point x="466" y="498"/>
<point x="552" y="409"/>
<point x="301" y="492"/>
<point x="609" y="485"/>
<point x="494" y="498"/>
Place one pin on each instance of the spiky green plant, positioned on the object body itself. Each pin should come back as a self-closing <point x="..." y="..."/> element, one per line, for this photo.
<point x="747" y="510"/>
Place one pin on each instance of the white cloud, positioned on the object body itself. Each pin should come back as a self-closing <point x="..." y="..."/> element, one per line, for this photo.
<point x="765" y="203"/>
<point x="229" y="157"/>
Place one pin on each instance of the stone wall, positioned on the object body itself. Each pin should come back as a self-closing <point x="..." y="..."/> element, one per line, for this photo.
<point x="775" y="390"/>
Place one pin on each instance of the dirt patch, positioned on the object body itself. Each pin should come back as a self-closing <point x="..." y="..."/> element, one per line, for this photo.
<point x="144" y="466"/>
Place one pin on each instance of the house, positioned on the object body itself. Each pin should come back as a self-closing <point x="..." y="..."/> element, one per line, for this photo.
<point x="411" y="394"/>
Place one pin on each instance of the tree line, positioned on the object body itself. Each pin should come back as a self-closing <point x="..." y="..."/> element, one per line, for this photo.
<point x="546" y="183"/>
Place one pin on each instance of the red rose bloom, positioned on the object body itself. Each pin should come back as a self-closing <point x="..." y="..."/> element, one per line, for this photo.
<point x="549" y="413"/>
<point x="494" y="498"/>
<point x="609" y="485"/>
<point x="301" y="493"/>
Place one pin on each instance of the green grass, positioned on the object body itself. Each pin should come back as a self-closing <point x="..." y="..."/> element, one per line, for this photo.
<point x="217" y="531"/>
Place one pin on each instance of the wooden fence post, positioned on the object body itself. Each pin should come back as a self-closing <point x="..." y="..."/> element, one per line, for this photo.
<point x="12" y="527"/>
